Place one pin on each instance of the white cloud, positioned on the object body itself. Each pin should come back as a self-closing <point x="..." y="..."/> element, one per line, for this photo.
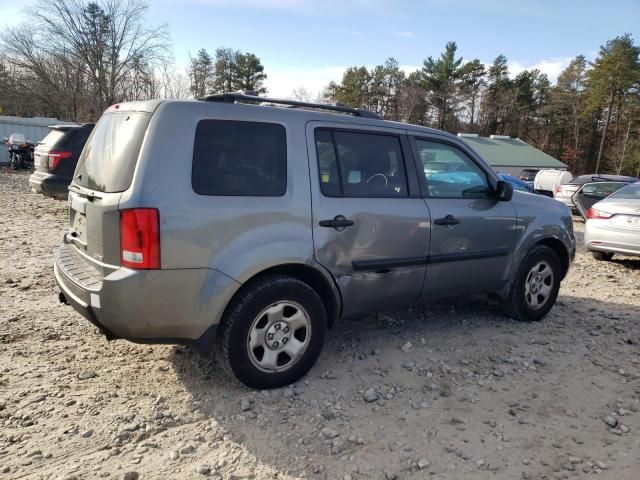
<point x="282" y="81"/>
<point x="405" y="34"/>
<point x="552" y="67"/>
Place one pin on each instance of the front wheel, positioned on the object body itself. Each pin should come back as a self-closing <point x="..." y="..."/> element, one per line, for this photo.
<point x="535" y="286"/>
<point x="272" y="333"/>
<point x="602" y="256"/>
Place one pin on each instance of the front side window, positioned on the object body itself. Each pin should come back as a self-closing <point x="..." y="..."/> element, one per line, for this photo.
<point x="450" y="173"/>
<point x="233" y="158"/>
<point x="356" y="164"/>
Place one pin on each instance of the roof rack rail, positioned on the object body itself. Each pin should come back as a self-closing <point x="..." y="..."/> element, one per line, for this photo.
<point x="232" y="97"/>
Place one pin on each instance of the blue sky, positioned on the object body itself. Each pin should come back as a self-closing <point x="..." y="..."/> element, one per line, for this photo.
<point x="308" y="42"/>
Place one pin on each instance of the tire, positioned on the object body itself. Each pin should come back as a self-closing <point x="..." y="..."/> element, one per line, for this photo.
<point x="602" y="256"/>
<point x="531" y="297"/>
<point x="265" y="313"/>
<point x="13" y="163"/>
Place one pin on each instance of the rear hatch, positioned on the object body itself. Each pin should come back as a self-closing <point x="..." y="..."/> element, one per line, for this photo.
<point x="105" y="170"/>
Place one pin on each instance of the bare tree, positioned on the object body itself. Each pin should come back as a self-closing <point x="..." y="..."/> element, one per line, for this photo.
<point x="103" y="47"/>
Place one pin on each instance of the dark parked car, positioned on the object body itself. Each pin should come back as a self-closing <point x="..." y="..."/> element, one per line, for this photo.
<point x="55" y="159"/>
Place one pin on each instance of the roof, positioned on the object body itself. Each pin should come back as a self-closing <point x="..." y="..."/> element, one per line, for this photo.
<point x="305" y="114"/>
<point x="511" y="152"/>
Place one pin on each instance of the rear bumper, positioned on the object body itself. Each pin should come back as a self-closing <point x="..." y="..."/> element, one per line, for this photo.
<point x="146" y="306"/>
<point x="605" y="239"/>
<point x="50" y="184"/>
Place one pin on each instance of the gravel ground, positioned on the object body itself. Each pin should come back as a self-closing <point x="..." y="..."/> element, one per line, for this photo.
<point x="448" y="391"/>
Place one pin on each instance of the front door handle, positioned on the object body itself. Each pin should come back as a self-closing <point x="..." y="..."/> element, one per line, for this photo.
<point x="339" y="222"/>
<point x="448" y="220"/>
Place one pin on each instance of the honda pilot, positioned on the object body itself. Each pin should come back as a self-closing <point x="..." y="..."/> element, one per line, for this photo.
<point x="248" y="226"/>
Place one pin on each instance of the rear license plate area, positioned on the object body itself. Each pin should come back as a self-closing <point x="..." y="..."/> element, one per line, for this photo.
<point x="77" y="218"/>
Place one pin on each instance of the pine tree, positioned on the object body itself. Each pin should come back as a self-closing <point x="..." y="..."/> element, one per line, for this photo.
<point x="249" y="73"/>
<point x="201" y="74"/>
<point x="441" y="79"/>
<point x="614" y="72"/>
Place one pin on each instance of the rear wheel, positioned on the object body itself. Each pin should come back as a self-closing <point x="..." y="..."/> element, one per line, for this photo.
<point x="603" y="256"/>
<point x="272" y="333"/>
<point x="535" y="286"/>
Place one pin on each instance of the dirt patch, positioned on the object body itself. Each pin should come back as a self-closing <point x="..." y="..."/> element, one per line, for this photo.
<point x="452" y="390"/>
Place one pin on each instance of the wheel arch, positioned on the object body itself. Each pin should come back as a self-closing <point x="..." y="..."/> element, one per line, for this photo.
<point x="560" y="250"/>
<point x="326" y="289"/>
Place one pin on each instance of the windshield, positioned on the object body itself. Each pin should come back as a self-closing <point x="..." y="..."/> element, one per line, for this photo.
<point x="630" y="192"/>
<point x="109" y="158"/>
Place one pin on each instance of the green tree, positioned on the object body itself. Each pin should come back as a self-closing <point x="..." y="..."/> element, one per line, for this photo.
<point x="249" y="73"/>
<point x="354" y="90"/>
<point x="496" y="98"/>
<point x="226" y="62"/>
<point x="613" y="74"/>
<point x="201" y="74"/>
<point x="473" y="80"/>
<point x="442" y="80"/>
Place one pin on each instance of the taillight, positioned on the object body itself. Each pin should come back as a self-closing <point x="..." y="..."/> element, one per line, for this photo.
<point x="55" y="156"/>
<point x="558" y="189"/>
<point x="594" y="214"/>
<point x="140" y="238"/>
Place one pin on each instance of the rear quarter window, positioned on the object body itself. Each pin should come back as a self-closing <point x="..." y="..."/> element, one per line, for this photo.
<point x="235" y="158"/>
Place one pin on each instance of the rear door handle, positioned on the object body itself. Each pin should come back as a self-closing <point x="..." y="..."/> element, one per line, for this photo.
<point x="339" y="222"/>
<point x="448" y="220"/>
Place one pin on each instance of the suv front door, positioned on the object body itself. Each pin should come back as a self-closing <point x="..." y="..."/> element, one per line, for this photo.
<point x="370" y="226"/>
<point x="472" y="233"/>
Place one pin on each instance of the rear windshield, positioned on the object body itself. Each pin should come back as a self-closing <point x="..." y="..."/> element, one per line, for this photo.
<point x="630" y="192"/>
<point x="110" y="155"/>
<point x="51" y="139"/>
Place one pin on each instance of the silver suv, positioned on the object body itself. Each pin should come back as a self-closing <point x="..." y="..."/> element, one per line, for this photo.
<point x="250" y="228"/>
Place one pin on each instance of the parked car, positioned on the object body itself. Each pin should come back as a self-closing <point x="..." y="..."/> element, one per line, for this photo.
<point x="564" y="193"/>
<point x="591" y="193"/>
<point x="517" y="184"/>
<point x="55" y="159"/>
<point x="528" y="175"/>
<point x="547" y="181"/>
<point x="613" y="224"/>
<point x="249" y="229"/>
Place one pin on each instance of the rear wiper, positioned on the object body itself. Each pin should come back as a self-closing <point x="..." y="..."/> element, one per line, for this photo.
<point x="85" y="193"/>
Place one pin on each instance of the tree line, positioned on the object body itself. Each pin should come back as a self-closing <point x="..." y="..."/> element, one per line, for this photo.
<point x="590" y="118"/>
<point x="73" y="58"/>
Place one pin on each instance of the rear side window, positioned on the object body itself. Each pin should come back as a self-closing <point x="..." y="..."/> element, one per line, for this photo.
<point x="109" y="158"/>
<point x="360" y="164"/>
<point x="234" y="158"/>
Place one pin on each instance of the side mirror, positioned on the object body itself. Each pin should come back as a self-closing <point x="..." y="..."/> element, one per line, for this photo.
<point x="504" y="191"/>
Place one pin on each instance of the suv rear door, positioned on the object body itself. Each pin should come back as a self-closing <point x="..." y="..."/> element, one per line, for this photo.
<point x="105" y="170"/>
<point x="472" y="233"/>
<point x="370" y="226"/>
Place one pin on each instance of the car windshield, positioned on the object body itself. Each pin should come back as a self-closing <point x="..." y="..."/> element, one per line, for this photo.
<point x="630" y="192"/>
